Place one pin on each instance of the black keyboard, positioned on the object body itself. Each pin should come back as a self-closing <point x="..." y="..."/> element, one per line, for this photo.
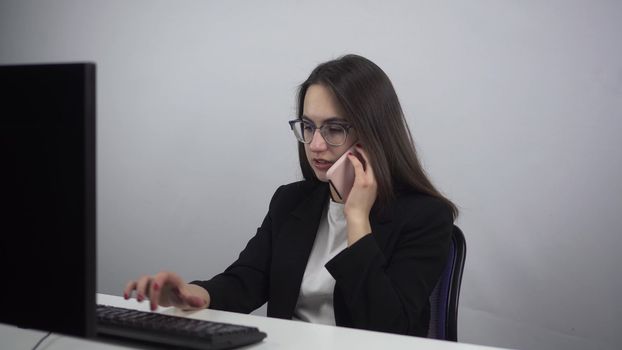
<point x="172" y="331"/>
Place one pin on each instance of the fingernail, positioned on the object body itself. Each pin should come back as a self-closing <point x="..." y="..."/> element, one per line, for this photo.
<point x="196" y="302"/>
<point x="153" y="307"/>
<point x="350" y="153"/>
<point x="139" y="297"/>
<point x="125" y="296"/>
<point x="155" y="286"/>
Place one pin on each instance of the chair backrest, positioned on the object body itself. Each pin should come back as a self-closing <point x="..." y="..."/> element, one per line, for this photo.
<point x="446" y="293"/>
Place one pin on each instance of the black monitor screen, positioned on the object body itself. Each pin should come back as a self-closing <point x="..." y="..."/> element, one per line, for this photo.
<point x="47" y="196"/>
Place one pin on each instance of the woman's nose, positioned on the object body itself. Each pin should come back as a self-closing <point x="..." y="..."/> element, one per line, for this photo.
<point x="317" y="142"/>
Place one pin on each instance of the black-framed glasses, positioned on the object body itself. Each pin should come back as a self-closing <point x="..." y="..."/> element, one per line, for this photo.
<point x="335" y="134"/>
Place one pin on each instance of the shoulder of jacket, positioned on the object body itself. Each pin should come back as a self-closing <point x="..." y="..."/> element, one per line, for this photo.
<point x="423" y="206"/>
<point x="295" y="191"/>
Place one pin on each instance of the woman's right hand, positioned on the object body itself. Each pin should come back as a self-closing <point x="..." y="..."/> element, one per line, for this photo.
<point x="168" y="289"/>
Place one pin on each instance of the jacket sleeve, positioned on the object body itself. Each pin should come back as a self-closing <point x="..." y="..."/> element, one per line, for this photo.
<point x="390" y="293"/>
<point x="243" y="286"/>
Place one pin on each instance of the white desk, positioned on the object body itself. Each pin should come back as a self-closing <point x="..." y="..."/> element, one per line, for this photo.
<point x="282" y="334"/>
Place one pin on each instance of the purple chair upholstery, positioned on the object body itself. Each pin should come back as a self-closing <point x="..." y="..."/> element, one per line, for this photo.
<point x="446" y="293"/>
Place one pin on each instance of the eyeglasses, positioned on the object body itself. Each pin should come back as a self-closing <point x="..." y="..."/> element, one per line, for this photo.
<point x="335" y="134"/>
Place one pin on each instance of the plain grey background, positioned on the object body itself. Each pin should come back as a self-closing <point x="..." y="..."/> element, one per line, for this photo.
<point x="515" y="107"/>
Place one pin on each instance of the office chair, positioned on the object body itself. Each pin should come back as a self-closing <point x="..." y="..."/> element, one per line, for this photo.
<point x="444" y="297"/>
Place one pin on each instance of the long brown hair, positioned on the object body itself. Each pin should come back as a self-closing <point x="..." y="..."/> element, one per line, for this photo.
<point x="372" y="107"/>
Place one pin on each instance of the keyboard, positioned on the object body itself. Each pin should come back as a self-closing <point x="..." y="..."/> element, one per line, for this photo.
<point x="172" y="331"/>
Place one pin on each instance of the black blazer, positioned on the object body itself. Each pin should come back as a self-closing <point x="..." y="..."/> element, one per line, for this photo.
<point x="383" y="281"/>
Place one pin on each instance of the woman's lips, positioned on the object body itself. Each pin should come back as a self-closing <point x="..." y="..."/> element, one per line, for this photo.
<point x="321" y="164"/>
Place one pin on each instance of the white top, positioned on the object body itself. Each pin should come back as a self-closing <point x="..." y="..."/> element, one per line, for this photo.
<point x="315" y="301"/>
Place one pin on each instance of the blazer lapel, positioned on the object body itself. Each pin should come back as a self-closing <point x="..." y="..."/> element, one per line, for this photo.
<point x="295" y="241"/>
<point x="382" y="227"/>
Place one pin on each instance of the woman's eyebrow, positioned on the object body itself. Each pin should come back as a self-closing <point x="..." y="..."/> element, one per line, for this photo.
<point x="329" y="120"/>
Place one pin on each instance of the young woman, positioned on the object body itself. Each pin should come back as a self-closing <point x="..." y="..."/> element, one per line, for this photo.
<point x="370" y="262"/>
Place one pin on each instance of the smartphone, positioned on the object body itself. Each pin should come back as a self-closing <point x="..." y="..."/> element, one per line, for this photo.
<point x="341" y="175"/>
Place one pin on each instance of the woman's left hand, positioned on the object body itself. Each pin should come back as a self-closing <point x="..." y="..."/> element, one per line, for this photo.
<point x="361" y="197"/>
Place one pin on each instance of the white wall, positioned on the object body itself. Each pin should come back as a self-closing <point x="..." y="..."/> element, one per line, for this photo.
<point x="516" y="107"/>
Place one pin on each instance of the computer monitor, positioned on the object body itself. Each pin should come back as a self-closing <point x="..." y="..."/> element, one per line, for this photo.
<point x="47" y="196"/>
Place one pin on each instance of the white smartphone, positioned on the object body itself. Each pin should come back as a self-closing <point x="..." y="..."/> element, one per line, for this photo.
<point x="341" y="175"/>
